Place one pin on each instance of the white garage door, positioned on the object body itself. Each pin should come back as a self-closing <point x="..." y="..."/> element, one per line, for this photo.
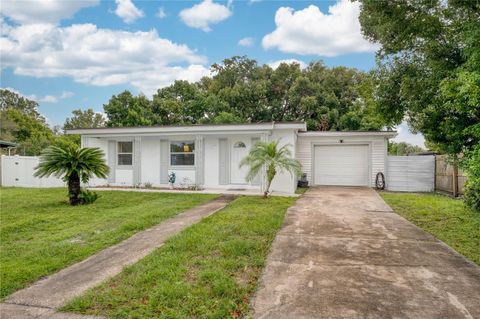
<point x="345" y="165"/>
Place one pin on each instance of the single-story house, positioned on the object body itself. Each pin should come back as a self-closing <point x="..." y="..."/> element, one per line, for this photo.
<point x="209" y="155"/>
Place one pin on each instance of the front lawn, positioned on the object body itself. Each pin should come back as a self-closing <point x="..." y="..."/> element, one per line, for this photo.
<point x="210" y="270"/>
<point x="41" y="233"/>
<point x="445" y="218"/>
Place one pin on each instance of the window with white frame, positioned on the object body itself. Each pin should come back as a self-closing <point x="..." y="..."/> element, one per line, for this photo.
<point x="182" y="153"/>
<point x="125" y="153"/>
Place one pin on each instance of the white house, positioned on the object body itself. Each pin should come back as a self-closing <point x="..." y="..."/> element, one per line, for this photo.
<point x="209" y="155"/>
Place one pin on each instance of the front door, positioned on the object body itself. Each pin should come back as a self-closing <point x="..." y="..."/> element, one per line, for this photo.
<point x="239" y="151"/>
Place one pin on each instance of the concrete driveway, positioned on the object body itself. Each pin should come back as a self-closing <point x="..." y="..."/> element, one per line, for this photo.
<point x="343" y="253"/>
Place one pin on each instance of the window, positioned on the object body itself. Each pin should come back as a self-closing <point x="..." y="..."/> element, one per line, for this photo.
<point x="182" y="153"/>
<point x="125" y="153"/>
<point x="239" y="145"/>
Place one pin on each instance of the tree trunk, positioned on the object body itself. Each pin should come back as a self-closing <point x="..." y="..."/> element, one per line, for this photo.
<point x="74" y="189"/>
<point x="270" y="175"/>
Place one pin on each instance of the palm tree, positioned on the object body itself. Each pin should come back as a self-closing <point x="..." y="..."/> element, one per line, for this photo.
<point x="75" y="164"/>
<point x="273" y="158"/>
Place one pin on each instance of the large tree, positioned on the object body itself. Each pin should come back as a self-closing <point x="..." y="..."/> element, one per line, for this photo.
<point x="429" y="72"/>
<point x="84" y="119"/>
<point x="428" y="66"/>
<point x="21" y="122"/>
<point x="241" y="90"/>
<point x="125" y="109"/>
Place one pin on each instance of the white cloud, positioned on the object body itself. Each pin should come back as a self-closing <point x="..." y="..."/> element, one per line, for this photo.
<point x="44" y="11"/>
<point x="45" y="99"/>
<point x="127" y="11"/>
<point x="161" y="13"/>
<point x="202" y="15"/>
<point x="276" y="64"/>
<point x="66" y="95"/>
<point x="312" y="32"/>
<point x="56" y="98"/>
<point x="405" y="135"/>
<point x="246" y="42"/>
<point x="99" y="57"/>
<point x="48" y="99"/>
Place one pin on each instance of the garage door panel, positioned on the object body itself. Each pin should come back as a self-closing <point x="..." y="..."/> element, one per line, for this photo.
<point x="341" y="165"/>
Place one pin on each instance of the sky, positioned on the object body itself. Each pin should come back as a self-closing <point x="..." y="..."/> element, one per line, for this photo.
<point x="73" y="54"/>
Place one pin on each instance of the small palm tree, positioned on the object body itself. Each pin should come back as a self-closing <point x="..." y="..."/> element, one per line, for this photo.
<point x="273" y="158"/>
<point x="75" y="164"/>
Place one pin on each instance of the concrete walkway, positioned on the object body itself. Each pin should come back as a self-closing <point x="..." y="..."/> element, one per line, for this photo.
<point x="40" y="299"/>
<point x="342" y="253"/>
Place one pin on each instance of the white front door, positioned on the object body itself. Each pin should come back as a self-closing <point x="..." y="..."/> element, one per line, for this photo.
<point x="239" y="151"/>
<point x="345" y="165"/>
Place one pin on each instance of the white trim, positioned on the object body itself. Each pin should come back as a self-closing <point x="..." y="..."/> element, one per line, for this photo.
<point x="190" y="129"/>
<point x="388" y="134"/>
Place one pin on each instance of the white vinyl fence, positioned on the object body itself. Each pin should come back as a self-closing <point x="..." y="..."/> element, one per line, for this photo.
<point x="411" y="173"/>
<point x="18" y="171"/>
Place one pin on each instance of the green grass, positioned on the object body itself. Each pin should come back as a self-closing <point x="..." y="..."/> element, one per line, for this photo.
<point x="41" y="233"/>
<point x="445" y="218"/>
<point x="210" y="270"/>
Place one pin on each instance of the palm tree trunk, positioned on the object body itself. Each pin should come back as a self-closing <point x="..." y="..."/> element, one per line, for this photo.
<point x="74" y="189"/>
<point x="270" y="175"/>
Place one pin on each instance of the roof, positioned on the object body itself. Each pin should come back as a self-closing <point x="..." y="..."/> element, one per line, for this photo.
<point x="7" y="144"/>
<point x="389" y="134"/>
<point x="194" y="128"/>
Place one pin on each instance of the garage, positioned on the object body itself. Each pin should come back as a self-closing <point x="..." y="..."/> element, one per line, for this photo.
<point x="343" y="165"/>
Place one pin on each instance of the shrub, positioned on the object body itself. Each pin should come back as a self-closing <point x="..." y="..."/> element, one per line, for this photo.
<point x="87" y="197"/>
<point x="148" y="185"/>
<point x="471" y="165"/>
<point x="472" y="193"/>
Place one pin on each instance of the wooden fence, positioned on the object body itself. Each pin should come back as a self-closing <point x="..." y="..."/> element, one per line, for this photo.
<point x="448" y="178"/>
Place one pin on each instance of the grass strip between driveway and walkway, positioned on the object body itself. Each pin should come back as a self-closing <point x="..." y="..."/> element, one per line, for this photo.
<point x="446" y="218"/>
<point x="41" y="233"/>
<point x="210" y="270"/>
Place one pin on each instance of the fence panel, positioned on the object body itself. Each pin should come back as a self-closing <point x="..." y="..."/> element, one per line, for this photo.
<point x="446" y="177"/>
<point x="18" y="171"/>
<point x="411" y="173"/>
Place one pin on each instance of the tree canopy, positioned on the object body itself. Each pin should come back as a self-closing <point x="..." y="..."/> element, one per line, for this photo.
<point x="84" y="119"/>
<point x="403" y="148"/>
<point x="429" y="73"/>
<point x="428" y="67"/>
<point x="21" y="122"/>
<point x="241" y="90"/>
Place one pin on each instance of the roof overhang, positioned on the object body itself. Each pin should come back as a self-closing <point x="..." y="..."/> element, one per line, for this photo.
<point x="191" y="129"/>
<point x="387" y="134"/>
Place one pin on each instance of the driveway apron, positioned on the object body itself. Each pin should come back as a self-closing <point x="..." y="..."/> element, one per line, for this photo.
<point x="343" y="253"/>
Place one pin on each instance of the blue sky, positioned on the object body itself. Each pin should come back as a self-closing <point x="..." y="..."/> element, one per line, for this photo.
<point x="77" y="54"/>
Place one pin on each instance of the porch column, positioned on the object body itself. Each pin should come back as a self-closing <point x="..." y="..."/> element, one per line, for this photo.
<point x="263" y="172"/>
<point x="199" y="160"/>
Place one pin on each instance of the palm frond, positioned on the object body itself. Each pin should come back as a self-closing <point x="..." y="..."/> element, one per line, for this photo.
<point x="63" y="161"/>
<point x="269" y="154"/>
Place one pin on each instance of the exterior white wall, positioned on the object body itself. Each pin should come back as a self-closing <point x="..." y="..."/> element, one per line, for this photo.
<point x="150" y="161"/>
<point x="124" y="177"/>
<point x="285" y="182"/>
<point x="211" y="161"/>
<point x="377" y="147"/>
<point x="18" y="171"/>
<point x="103" y="145"/>
<point x="184" y="176"/>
